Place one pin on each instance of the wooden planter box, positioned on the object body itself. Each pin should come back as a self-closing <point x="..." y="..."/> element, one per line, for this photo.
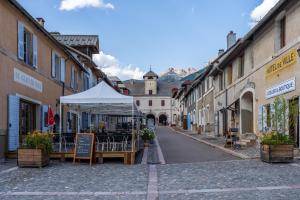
<point x="277" y="153"/>
<point x="32" y="158"/>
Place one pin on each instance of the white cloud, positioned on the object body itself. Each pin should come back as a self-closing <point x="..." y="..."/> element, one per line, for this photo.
<point x="77" y="4"/>
<point x="261" y="10"/>
<point x="112" y="67"/>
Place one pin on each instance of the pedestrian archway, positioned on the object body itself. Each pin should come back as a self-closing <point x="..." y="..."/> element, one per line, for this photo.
<point x="246" y="115"/>
<point x="163" y="119"/>
<point x="150" y="120"/>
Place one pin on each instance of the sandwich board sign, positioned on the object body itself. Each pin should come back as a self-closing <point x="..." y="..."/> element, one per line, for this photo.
<point x="84" y="146"/>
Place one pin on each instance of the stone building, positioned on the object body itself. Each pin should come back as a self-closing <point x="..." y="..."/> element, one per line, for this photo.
<point x="35" y="70"/>
<point x="260" y="67"/>
<point x="154" y="98"/>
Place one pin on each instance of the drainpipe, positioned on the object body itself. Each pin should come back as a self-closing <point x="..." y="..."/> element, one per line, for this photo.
<point x="226" y="100"/>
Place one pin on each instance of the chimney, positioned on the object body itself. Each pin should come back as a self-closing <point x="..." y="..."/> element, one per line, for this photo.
<point x="231" y="39"/>
<point x="41" y="21"/>
<point x="221" y="51"/>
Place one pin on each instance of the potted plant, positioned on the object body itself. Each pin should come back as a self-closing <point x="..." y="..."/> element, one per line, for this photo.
<point x="277" y="146"/>
<point x="35" y="150"/>
<point x="147" y="135"/>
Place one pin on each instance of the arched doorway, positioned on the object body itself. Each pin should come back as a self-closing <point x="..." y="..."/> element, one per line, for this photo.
<point x="163" y="119"/>
<point x="246" y="109"/>
<point x="150" y="120"/>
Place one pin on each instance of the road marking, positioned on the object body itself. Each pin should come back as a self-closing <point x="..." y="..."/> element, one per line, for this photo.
<point x="145" y="156"/>
<point x="153" y="190"/>
<point x="159" y="152"/>
<point x="152" y="193"/>
<point x="8" y="170"/>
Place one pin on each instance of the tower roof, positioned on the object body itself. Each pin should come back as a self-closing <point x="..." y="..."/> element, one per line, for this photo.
<point x="150" y="74"/>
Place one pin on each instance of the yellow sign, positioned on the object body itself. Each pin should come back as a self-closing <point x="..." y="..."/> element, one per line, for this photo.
<point x="282" y="62"/>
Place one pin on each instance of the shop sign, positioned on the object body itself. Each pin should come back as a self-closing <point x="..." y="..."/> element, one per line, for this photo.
<point x="281" y="88"/>
<point x="27" y="80"/>
<point x="282" y="62"/>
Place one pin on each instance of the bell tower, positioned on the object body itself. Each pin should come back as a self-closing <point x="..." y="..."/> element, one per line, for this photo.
<point x="150" y="79"/>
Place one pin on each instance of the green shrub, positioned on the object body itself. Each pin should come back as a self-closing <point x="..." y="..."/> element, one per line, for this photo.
<point x="38" y="140"/>
<point x="147" y="134"/>
<point x="275" y="138"/>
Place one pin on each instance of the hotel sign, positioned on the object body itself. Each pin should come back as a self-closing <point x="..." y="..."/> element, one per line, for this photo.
<point x="282" y="62"/>
<point x="281" y="88"/>
<point x="27" y="80"/>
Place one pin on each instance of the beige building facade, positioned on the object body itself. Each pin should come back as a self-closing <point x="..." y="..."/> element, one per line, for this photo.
<point x="35" y="71"/>
<point x="260" y="67"/>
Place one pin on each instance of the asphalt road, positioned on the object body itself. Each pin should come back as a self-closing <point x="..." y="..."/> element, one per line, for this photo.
<point x="177" y="148"/>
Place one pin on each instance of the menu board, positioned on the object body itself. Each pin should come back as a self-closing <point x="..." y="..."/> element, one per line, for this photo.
<point x="84" y="146"/>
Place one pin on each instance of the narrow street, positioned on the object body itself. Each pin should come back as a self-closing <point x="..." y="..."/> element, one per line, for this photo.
<point x="177" y="148"/>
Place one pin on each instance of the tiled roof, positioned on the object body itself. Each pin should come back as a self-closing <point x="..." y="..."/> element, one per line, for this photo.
<point x="150" y="74"/>
<point x="78" y="40"/>
<point x="137" y="87"/>
<point x="193" y="76"/>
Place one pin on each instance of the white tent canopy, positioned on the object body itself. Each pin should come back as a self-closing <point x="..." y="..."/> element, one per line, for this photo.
<point x="101" y="93"/>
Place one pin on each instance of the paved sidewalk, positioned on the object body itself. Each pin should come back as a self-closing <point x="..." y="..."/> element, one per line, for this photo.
<point x="224" y="180"/>
<point x="218" y="142"/>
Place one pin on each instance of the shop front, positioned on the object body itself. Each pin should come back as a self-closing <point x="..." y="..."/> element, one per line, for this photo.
<point x="281" y="77"/>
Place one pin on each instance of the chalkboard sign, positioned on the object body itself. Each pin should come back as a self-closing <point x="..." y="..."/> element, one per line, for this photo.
<point x="84" y="146"/>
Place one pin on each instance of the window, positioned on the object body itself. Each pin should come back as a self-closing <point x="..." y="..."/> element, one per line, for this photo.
<point x="27" y="45"/>
<point x="203" y="88"/>
<point x="221" y="81"/>
<point x="74" y="84"/>
<point x="138" y="102"/>
<point x="86" y="81"/>
<point x="162" y="102"/>
<point x="55" y="65"/>
<point x="150" y="92"/>
<point x="282" y="32"/>
<point x="241" y="66"/>
<point x="150" y="102"/>
<point x="229" y="74"/>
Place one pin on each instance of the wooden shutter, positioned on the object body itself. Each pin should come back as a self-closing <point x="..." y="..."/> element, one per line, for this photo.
<point x="264" y="118"/>
<point x="72" y="76"/>
<point x="35" y="51"/>
<point x="21" y="49"/>
<point x="44" y="113"/>
<point x="62" y="70"/>
<point x="13" y="122"/>
<point x="53" y="68"/>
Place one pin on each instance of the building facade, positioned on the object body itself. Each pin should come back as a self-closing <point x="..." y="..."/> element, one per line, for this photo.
<point x="261" y="66"/>
<point x="154" y="98"/>
<point x="35" y="71"/>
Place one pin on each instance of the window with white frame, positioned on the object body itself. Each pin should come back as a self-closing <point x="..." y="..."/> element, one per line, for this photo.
<point x="27" y="45"/>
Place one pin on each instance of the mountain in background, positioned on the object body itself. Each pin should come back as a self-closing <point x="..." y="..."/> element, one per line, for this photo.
<point x="175" y="74"/>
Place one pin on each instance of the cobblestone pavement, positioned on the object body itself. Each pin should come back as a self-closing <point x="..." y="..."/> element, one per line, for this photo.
<point x="236" y="179"/>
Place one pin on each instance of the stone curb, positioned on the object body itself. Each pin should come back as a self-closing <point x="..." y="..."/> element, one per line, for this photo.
<point x="242" y="156"/>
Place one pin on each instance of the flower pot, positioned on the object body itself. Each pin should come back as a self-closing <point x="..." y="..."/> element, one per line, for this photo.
<point x="277" y="153"/>
<point x="32" y="158"/>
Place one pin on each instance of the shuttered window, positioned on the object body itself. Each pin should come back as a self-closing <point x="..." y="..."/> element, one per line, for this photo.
<point x="27" y="46"/>
<point x="21" y="40"/>
<point x="72" y="76"/>
<point x="62" y="70"/>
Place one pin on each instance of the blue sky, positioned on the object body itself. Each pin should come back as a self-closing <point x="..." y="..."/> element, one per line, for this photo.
<point x="135" y="34"/>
